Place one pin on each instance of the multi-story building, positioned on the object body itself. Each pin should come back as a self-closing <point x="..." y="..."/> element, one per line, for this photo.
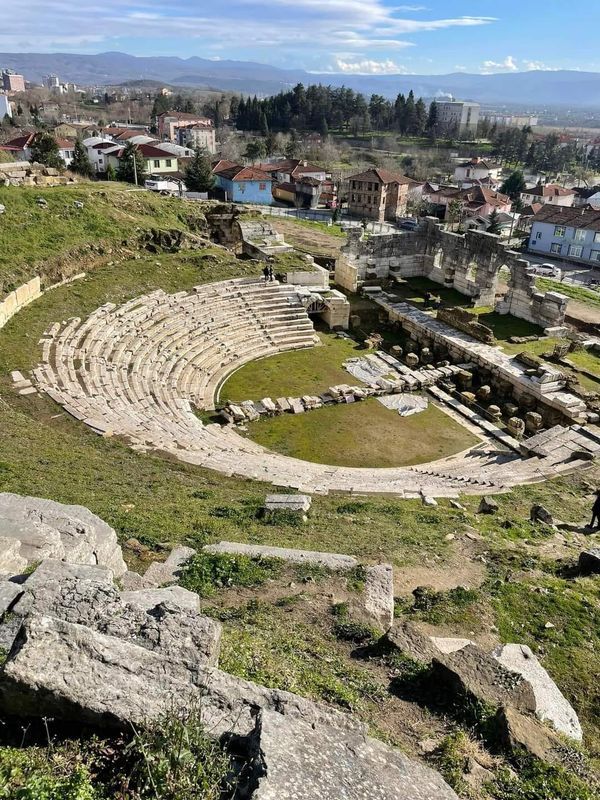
<point x="12" y="82"/>
<point x="549" y="194"/>
<point x="169" y="122"/>
<point x="457" y="116"/>
<point x="511" y="120"/>
<point x="5" y="107"/>
<point x="571" y="233"/>
<point x="51" y="81"/>
<point x="378" y="194"/>
<point x="198" y="135"/>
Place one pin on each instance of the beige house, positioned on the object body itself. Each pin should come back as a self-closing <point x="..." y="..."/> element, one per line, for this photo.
<point x="378" y="194"/>
<point x="549" y="194"/>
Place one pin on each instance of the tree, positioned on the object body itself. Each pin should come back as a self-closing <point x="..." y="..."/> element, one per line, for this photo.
<point x="44" y="150"/>
<point x="255" y="149"/>
<point x="514" y="185"/>
<point x="111" y="174"/>
<point x="432" y="120"/>
<point x="455" y="210"/>
<point x="81" y="163"/>
<point x="494" y="224"/>
<point x="132" y="166"/>
<point x="198" y="174"/>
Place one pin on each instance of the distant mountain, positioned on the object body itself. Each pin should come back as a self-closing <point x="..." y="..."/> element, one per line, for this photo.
<point x="538" y="88"/>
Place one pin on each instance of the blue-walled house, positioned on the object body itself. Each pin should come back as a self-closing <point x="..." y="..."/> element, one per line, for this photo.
<point x="571" y="233"/>
<point x="243" y="184"/>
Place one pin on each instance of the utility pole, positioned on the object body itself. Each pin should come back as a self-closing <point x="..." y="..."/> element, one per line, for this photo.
<point x="135" y="175"/>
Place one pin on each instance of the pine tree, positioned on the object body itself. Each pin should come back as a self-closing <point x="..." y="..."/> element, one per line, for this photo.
<point x="263" y="124"/>
<point x="410" y="115"/>
<point x="44" y="150"/>
<point x="421" y="117"/>
<point x="81" y="163"/>
<point x="198" y="174"/>
<point x="126" y="171"/>
<point x="494" y="224"/>
<point x="432" y="120"/>
<point x="514" y="185"/>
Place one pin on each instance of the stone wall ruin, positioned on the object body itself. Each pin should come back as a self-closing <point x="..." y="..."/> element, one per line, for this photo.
<point x="470" y="263"/>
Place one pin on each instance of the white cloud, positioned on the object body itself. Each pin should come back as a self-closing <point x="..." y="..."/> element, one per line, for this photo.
<point x="508" y="65"/>
<point x="538" y="65"/>
<point x="368" y="67"/>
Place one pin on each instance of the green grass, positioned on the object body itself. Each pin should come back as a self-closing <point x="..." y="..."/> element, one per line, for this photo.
<point x="505" y="325"/>
<point x="363" y="434"/>
<point x="323" y="227"/>
<point x="413" y="290"/>
<point x="32" y="238"/>
<point x="293" y="374"/>
<point x="587" y="296"/>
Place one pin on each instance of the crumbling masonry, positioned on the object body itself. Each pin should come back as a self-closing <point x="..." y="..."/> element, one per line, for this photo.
<point x="469" y="263"/>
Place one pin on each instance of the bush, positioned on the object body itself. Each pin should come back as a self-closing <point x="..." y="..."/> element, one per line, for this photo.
<point x="540" y="781"/>
<point x="356" y="632"/>
<point x="36" y="773"/>
<point x="174" y="759"/>
<point x="206" y="572"/>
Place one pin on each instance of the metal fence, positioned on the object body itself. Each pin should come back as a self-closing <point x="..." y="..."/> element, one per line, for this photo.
<point x="317" y="215"/>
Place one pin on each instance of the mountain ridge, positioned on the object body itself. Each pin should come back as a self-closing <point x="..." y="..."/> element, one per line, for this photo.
<point x="557" y="88"/>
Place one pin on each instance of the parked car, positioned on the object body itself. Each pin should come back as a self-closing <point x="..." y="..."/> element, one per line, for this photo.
<point x="409" y="224"/>
<point x="548" y="270"/>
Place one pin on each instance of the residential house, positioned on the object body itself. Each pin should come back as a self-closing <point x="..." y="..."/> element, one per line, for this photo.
<point x="20" y="148"/>
<point x="477" y="169"/>
<point x="198" y="135"/>
<point x="5" y="106"/>
<point x="169" y="122"/>
<point x="479" y="201"/>
<point x="99" y="149"/>
<point x="549" y="194"/>
<point x="571" y="233"/>
<point x="303" y="193"/>
<point x="291" y="170"/>
<point x="507" y="223"/>
<point x="587" y="196"/>
<point x="241" y="184"/>
<point x="378" y="194"/>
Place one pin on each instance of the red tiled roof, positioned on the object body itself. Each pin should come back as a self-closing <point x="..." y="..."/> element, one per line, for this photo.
<point x="221" y="164"/>
<point x="19" y="142"/>
<point x="549" y="190"/>
<point x="239" y="173"/>
<point x="380" y="175"/>
<point x="571" y="217"/>
<point x="150" y="151"/>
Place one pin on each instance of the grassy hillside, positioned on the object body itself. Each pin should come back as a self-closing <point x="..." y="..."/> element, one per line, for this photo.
<point x="31" y="236"/>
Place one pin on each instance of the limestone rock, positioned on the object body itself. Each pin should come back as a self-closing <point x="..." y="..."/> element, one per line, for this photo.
<point x="47" y="529"/>
<point x="523" y="732"/>
<point x="165" y="572"/>
<point x="408" y="639"/>
<point x="487" y="505"/>
<point x="175" y="595"/>
<point x="334" y="561"/>
<point x="551" y="704"/>
<point x="539" y="513"/>
<point x="11" y="560"/>
<point x="471" y="671"/>
<point x="9" y="593"/>
<point x="589" y="561"/>
<point x="379" y="594"/>
<point x="314" y="763"/>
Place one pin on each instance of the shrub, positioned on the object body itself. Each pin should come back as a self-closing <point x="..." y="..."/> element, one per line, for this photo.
<point x="350" y="631"/>
<point x="539" y="781"/>
<point x="36" y="773"/>
<point x="174" y="759"/>
<point x="206" y="572"/>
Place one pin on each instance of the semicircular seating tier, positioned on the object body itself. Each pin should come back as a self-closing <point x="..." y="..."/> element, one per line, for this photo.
<point x="140" y="369"/>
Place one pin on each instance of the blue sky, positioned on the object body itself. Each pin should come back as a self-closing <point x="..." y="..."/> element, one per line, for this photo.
<point x="347" y="36"/>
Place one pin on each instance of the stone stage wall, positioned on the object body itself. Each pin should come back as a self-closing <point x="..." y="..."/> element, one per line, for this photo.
<point x="469" y="263"/>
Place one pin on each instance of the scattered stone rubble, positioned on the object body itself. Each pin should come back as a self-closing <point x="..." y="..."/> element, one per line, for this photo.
<point x="81" y="650"/>
<point x="25" y="173"/>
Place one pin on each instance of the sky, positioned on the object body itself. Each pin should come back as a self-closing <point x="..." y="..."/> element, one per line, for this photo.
<point x="342" y="36"/>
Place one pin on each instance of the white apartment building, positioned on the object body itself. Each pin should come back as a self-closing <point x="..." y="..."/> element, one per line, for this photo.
<point x="457" y="115"/>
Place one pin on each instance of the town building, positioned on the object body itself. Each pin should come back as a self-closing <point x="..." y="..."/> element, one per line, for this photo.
<point x="239" y="184"/>
<point x="51" y="81"/>
<point x="511" y="120"/>
<point x="20" y="148"/>
<point x="457" y="116"/>
<point x="549" y="194"/>
<point x="378" y="194"/>
<point x="198" y="135"/>
<point x="12" y="81"/>
<point x="169" y="122"/>
<point x="571" y="233"/>
<point x="5" y="107"/>
<point x="477" y="169"/>
<point x="291" y="170"/>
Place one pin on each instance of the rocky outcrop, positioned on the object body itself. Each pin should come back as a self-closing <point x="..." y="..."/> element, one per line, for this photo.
<point x="550" y="704"/>
<point x="589" y="561"/>
<point x="46" y="529"/>
<point x="520" y="732"/>
<point x="161" y="573"/>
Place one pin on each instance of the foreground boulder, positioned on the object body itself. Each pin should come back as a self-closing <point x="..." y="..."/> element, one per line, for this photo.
<point x="589" y="561"/>
<point x="520" y="732"/>
<point x="303" y="761"/>
<point x="550" y="704"/>
<point x="46" y="529"/>
<point x="72" y="672"/>
<point x="473" y="673"/>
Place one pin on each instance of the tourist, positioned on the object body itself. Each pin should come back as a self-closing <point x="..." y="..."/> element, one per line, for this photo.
<point x="266" y="273"/>
<point x="271" y="274"/>
<point x="595" y="523"/>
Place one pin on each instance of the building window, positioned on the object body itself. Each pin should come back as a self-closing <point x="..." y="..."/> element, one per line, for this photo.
<point x="576" y="250"/>
<point x="168" y="162"/>
<point x="560" y="230"/>
<point x="595" y="256"/>
<point x="580" y="235"/>
<point x="555" y="248"/>
<point x="262" y="186"/>
<point x="597" y="237"/>
<point x="538" y="235"/>
<point x="156" y="162"/>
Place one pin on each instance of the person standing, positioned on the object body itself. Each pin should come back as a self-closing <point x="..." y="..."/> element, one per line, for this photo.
<point x="595" y="523"/>
<point x="266" y="273"/>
